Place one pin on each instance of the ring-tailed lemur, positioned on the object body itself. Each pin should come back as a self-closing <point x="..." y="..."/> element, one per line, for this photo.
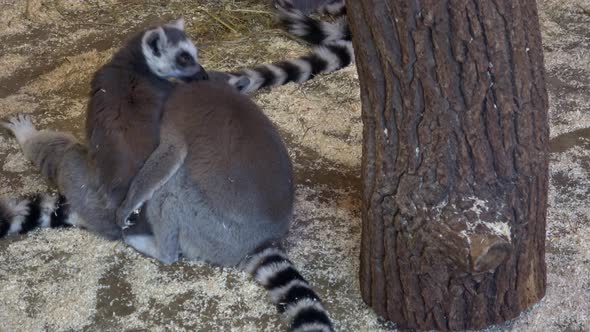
<point x="122" y="124"/>
<point x="129" y="89"/>
<point x="222" y="160"/>
<point x="218" y="188"/>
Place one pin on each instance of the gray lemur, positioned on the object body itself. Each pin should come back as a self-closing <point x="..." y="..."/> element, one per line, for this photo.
<point x="218" y="188"/>
<point x="124" y="112"/>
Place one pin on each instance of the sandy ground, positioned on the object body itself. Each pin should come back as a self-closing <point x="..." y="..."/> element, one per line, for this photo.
<point x="73" y="281"/>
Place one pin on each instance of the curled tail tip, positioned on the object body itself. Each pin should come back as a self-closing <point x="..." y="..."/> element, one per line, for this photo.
<point x="289" y="291"/>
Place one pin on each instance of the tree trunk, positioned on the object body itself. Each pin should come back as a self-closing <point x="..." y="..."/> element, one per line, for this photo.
<point x="455" y="159"/>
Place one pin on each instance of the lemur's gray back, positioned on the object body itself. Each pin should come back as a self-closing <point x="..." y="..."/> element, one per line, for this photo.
<point x="236" y="155"/>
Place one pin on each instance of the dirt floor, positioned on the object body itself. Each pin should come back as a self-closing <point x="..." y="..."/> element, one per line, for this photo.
<point x="71" y="280"/>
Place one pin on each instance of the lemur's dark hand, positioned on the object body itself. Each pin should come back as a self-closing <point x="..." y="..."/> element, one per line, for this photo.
<point x="126" y="217"/>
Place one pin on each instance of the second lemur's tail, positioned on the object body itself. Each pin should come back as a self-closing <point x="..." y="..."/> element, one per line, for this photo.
<point x="332" y="51"/>
<point x="289" y="291"/>
<point x="63" y="161"/>
<point x="30" y="213"/>
<point x="323" y="59"/>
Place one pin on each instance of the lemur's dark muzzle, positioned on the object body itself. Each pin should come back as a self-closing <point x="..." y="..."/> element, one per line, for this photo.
<point x="200" y="75"/>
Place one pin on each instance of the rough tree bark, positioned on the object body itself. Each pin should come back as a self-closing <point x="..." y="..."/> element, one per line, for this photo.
<point x="455" y="159"/>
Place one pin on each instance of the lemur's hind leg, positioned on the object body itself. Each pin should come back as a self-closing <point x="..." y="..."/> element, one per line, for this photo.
<point x="63" y="161"/>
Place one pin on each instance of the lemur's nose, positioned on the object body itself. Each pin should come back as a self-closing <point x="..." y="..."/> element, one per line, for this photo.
<point x="201" y="75"/>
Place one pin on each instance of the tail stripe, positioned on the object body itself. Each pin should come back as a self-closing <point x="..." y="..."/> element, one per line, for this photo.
<point x="343" y="54"/>
<point x="305" y="69"/>
<point x="284" y="277"/>
<point x="296" y="294"/>
<point x="34" y="216"/>
<point x="4" y="226"/>
<point x="253" y="262"/>
<point x="267" y="76"/>
<point x="310" y="315"/>
<point x="279" y="75"/>
<point x="330" y="58"/>
<point x="290" y="69"/>
<point x="299" y="311"/>
<point x="317" y="63"/>
<point x="47" y="206"/>
<point x="60" y="215"/>
<point x="278" y="293"/>
<point x="5" y="216"/>
<point x="305" y="28"/>
<point x="264" y="273"/>
<point x="271" y="262"/>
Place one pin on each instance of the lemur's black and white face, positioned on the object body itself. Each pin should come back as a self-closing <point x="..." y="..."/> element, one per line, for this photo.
<point x="169" y="53"/>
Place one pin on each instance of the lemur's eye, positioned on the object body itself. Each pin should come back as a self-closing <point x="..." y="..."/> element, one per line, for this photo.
<point x="184" y="59"/>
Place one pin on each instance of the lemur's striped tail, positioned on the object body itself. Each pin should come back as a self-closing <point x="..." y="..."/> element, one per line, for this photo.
<point x="323" y="59"/>
<point x="289" y="291"/>
<point x="333" y="51"/>
<point x="311" y="30"/>
<point x="30" y="213"/>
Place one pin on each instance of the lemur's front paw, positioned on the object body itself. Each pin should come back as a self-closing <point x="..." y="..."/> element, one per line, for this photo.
<point x="126" y="217"/>
<point x="21" y="127"/>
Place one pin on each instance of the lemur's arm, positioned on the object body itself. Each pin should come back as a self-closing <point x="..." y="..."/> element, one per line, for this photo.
<point x="161" y="165"/>
<point x="239" y="82"/>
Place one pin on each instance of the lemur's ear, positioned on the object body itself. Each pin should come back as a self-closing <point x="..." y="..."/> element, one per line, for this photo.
<point x="178" y="24"/>
<point x="155" y="41"/>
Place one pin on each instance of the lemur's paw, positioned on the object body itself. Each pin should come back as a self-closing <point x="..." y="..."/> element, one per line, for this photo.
<point x="126" y="218"/>
<point x="21" y="127"/>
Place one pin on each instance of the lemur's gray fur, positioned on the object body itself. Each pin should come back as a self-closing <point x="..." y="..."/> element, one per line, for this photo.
<point x="234" y="171"/>
<point x="218" y="188"/>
